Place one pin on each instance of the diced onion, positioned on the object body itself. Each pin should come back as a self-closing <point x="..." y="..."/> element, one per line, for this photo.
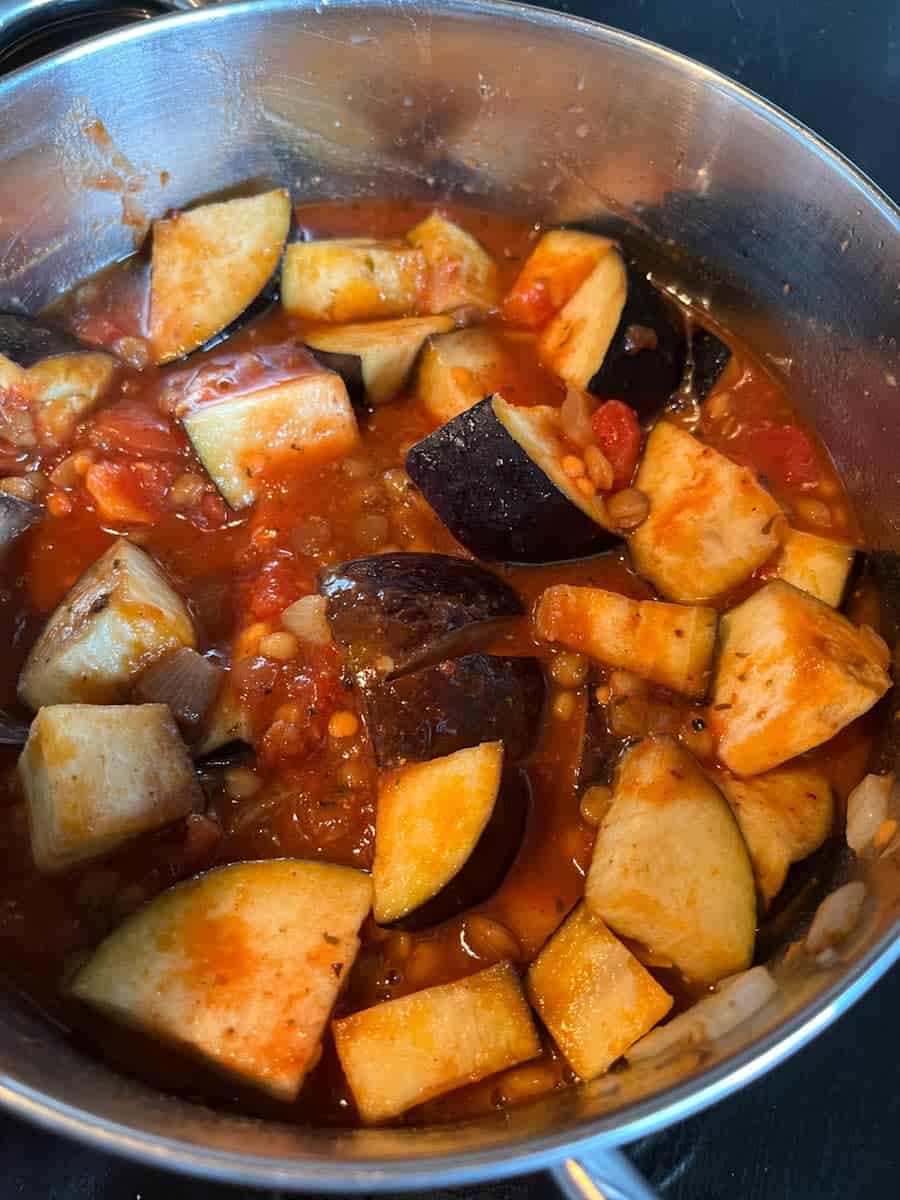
<point x="734" y="1001"/>
<point x="836" y="917"/>
<point x="867" y="810"/>
<point x="184" y="680"/>
<point x="575" y="417"/>
<point x="306" y="620"/>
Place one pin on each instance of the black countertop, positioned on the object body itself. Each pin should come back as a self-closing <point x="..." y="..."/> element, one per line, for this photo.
<point x="824" y="1124"/>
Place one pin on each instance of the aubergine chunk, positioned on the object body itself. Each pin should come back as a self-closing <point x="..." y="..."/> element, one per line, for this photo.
<point x="454" y="704"/>
<point x="458" y="270"/>
<point x="239" y="967"/>
<point x="57" y="380"/>
<point x="710" y="357"/>
<point x="209" y="264"/>
<point x="816" y="565"/>
<point x="493" y="476"/>
<point x="403" y="1052"/>
<point x="670" y="867"/>
<point x="446" y="833"/>
<point x="618" y="336"/>
<point x="711" y="522"/>
<point x="96" y="776"/>
<point x="374" y="358"/>
<point x="117" y="618"/>
<point x="784" y="815"/>
<point x="459" y="369"/>
<point x="592" y="994"/>
<point x="553" y="272"/>
<point x="307" y="420"/>
<point x="16" y="517"/>
<point x="670" y="644"/>
<point x="396" y="612"/>
<point x="351" y="279"/>
<point x="791" y="673"/>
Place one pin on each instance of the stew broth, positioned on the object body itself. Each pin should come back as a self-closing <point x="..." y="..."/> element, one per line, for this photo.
<point x="130" y="469"/>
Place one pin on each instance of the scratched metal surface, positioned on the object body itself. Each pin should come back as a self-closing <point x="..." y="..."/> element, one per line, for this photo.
<point x="821" y="1126"/>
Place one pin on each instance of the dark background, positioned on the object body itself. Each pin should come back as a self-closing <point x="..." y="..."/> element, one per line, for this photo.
<point x="826" y="1124"/>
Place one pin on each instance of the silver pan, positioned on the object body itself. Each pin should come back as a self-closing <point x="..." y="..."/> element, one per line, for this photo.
<point x="539" y="114"/>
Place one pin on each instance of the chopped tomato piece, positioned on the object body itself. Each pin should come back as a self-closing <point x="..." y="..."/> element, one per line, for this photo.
<point x="136" y="430"/>
<point x="531" y="305"/>
<point x="786" y="454"/>
<point x="618" y="435"/>
<point x="122" y="495"/>
<point x="274" y="590"/>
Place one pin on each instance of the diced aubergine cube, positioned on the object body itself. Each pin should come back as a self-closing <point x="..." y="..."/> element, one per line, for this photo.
<point x="308" y="421"/>
<point x="375" y="358"/>
<point x="711" y="523"/>
<point x="446" y="833"/>
<point x="459" y="369"/>
<point x="239" y="967"/>
<point x="209" y="264"/>
<point x="60" y="380"/>
<point x="16" y="517"/>
<point x="670" y="644"/>
<point x="710" y="357"/>
<point x="670" y="868"/>
<point x="553" y="272"/>
<point x="454" y="704"/>
<point x="406" y="1051"/>
<point x="816" y="565"/>
<point x="351" y="279"/>
<point x="458" y="271"/>
<point x="394" y="612"/>
<point x="592" y="994"/>
<point x="618" y="337"/>
<point x="791" y="674"/>
<point x="121" y="615"/>
<point x="784" y="816"/>
<point x="96" y="775"/>
<point x="494" y="477"/>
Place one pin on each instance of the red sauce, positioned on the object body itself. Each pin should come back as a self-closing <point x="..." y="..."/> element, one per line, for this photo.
<point x="317" y="799"/>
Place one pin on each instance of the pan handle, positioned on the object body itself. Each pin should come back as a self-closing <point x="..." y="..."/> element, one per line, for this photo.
<point x="600" y="1175"/>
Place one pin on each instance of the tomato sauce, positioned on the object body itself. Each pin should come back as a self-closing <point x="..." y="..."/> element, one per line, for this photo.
<point x="130" y="469"/>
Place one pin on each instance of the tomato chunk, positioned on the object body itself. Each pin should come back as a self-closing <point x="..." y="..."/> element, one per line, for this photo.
<point x="137" y="430"/>
<point x="124" y="494"/>
<point x="618" y="435"/>
<point x="786" y="454"/>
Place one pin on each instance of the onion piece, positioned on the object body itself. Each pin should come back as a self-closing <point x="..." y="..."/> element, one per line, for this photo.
<point x="575" y="417"/>
<point x="836" y="917"/>
<point x="184" y="680"/>
<point x="867" y="810"/>
<point x="306" y="619"/>
<point x="734" y="1001"/>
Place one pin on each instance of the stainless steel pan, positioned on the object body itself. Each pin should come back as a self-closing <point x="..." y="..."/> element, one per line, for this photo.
<point x="530" y="112"/>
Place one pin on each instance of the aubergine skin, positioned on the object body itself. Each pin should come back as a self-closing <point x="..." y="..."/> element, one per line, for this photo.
<point x="495" y="499"/>
<point x="16" y="516"/>
<point x="349" y="367"/>
<point x="711" y="356"/>
<point x="26" y="340"/>
<point x="413" y="608"/>
<point x="490" y="861"/>
<point x="644" y="376"/>
<point x="455" y="704"/>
